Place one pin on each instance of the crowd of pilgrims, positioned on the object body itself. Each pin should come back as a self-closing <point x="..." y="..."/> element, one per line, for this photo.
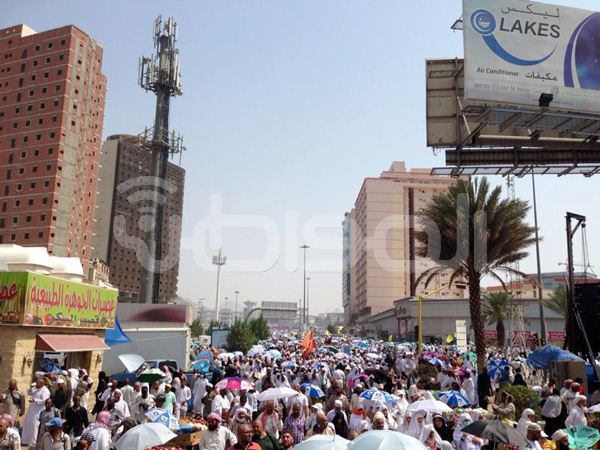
<point x="57" y="417"/>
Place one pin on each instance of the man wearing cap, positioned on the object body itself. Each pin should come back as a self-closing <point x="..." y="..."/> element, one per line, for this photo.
<point x="38" y="394"/>
<point x="54" y="438"/>
<point x="534" y="432"/>
<point x="216" y="437"/>
<point x="577" y="412"/>
<point x="316" y="409"/>
<point x="142" y="404"/>
<point x="62" y="396"/>
<point x="560" y="440"/>
<point x="337" y="407"/>
<point x="121" y="409"/>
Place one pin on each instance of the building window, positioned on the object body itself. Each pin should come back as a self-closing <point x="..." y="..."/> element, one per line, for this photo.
<point x="31" y="92"/>
<point x="50" y="44"/>
<point x="17" y="110"/>
<point x="46" y="184"/>
<point x="37" y="48"/>
<point x="54" y="118"/>
<point x="33" y="77"/>
<point x="44" y="90"/>
<point x="42" y="105"/>
<point x="17" y="203"/>
<point x="26" y="236"/>
<point x="15" y="220"/>
<point x="45" y="201"/>
<point x="42" y="217"/>
<point x="63" y="42"/>
<point x="24" y="155"/>
<point x="48" y="167"/>
<point x="28" y="219"/>
<point x="61" y="57"/>
<point x="32" y="185"/>
<point x="30" y="202"/>
<point x="55" y="103"/>
<point x="36" y="153"/>
<point x="34" y="169"/>
<point x="59" y="72"/>
<point x="48" y="59"/>
<point x="57" y="88"/>
<point x="41" y="234"/>
<point x="46" y="74"/>
<point x="13" y="237"/>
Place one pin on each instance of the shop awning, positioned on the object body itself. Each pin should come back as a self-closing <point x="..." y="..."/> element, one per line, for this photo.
<point x="69" y="343"/>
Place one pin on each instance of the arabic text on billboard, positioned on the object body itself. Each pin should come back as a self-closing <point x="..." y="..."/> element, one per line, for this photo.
<point x="28" y="298"/>
<point x="515" y="51"/>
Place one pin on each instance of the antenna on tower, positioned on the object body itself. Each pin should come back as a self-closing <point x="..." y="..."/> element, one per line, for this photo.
<point x="159" y="74"/>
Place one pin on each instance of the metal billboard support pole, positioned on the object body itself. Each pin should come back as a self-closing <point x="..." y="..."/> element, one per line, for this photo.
<point x="539" y="269"/>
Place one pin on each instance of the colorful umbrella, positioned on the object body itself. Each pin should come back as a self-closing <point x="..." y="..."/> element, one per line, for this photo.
<point x="494" y="366"/>
<point x="256" y="350"/>
<point x="435" y="361"/>
<point x="202" y="365"/>
<point x="312" y="391"/>
<point x="234" y="383"/>
<point x="454" y="399"/>
<point x="361" y="377"/>
<point x="275" y="354"/>
<point x="376" y="395"/>
<point x="582" y="436"/>
<point x="159" y="415"/>
<point x="205" y="354"/>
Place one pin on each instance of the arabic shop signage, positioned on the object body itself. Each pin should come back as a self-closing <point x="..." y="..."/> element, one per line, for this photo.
<point x="517" y="50"/>
<point x="28" y="298"/>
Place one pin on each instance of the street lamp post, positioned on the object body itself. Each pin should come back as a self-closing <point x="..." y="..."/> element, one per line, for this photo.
<point x="305" y="318"/>
<point x="218" y="261"/>
<point x="236" y="303"/>
<point x="307" y="298"/>
<point x="539" y="269"/>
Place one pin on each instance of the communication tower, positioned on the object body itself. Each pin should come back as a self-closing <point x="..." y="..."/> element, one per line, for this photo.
<point x="160" y="74"/>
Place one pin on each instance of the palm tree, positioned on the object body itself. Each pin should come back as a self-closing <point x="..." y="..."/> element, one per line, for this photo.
<point x="557" y="301"/>
<point x="472" y="231"/>
<point x="495" y="310"/>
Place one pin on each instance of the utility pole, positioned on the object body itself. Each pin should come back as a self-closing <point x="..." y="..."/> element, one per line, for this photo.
<point x="218" y="261"/>
<point x="236" y="303"/>
<point x="160" y="75"/>
<point x="305" y="318"/>
<point x="307" y="299"/>
<point x="539" y="267"/>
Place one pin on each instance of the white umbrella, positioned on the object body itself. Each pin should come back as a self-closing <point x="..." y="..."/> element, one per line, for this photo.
<point x="385" y="440"/>
<point x="145" y="436"/>
<point x="226" y="355"/>
<point x="373" y="355"/>
<point x="341" y="355"/>
<point x="323" y="442"/>
<point x="429" y="405"/>
<point x="595" y="409"/>
<point x="256" y="350"/>
<point x="275" y="394"/>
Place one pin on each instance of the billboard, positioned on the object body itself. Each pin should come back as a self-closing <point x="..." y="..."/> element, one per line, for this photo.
<point x="28" y="298"/>
<point x="516" y="50"/>
<point x="141" y="312"/>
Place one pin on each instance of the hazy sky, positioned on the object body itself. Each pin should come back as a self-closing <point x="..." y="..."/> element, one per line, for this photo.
<point x="287" y="106"/>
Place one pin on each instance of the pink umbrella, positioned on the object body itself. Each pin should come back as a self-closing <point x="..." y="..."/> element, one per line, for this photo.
<point x="234" y="383"/>
<point x="352" y="381"/>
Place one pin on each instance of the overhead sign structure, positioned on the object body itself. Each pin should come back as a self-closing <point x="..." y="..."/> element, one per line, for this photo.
<point x="532" y="54"/>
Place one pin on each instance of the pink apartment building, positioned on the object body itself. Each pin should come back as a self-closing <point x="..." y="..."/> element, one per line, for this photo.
<point x="384" y="265"/>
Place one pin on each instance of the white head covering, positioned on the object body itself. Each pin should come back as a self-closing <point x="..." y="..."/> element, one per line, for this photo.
<point x="415" y="428"/>
<point x="464" y="420"/>
<point x="524" y="421"/>
<point x="425" y="439"/>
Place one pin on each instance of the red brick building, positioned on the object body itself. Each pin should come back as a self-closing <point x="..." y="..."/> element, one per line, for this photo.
<point x="52" y="96"/>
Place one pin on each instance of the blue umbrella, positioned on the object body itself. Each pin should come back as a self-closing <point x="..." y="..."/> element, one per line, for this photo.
<point x="159" y="415"/>
<point x="494" y="366"/>
<point x="454" y="399"/>
<point x="312" y="391"/>
<point x="203" y="365"/>
<point x="205" y="354"/>
<point x="435" y="361"/>
<point x="376" y="395"/>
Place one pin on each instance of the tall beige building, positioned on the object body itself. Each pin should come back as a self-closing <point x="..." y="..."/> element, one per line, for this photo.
<point x="386" y="265"/>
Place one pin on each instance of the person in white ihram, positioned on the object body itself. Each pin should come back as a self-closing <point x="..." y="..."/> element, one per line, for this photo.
<point x="38" y="393"/>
